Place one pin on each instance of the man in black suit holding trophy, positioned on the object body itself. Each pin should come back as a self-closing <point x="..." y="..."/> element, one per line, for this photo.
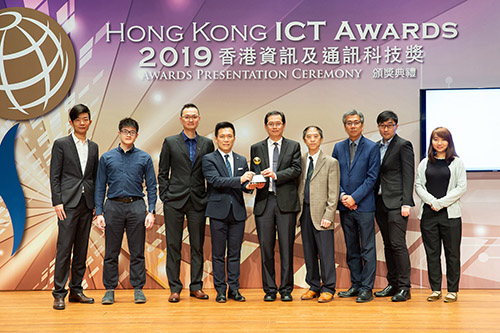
<point x="276" y="203"/>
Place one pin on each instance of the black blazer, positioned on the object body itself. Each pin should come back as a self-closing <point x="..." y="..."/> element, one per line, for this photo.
<point x="66" y="178"/>
<point x="397" y="174"/>
<point x="224" y="188"/>
<point x="179" y="180"/>
<point x="288" y="173"/>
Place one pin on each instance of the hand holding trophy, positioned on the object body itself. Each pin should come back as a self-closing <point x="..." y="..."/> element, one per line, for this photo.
<point x="257" y="178"/>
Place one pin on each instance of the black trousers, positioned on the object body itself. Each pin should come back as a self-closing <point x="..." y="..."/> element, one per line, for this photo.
<point x="73" y="236"/>
<point x="271" y="221"/>
<point x="438" y="229"/>
<point x="174" y="225"/>
<point x="226" y="235"/>
<point x="318" y="243"/>
<point x="124" y="217"/>
<point x="393" y="229"/>
<point x="361" y="257"/>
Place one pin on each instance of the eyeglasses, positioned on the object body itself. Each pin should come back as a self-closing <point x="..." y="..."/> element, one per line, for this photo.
<point x="388" y="126"/>
<point x="190" y="117"/>
<point x="278" y="124"/>
<point x="127" y="133"/>
<point x="353" y="123"/>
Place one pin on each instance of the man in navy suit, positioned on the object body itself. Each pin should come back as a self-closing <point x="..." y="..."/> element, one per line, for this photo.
<point x="227" y="177"/>
<point x="359" y="160"/>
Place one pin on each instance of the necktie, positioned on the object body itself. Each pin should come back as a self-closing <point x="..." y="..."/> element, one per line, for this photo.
<point x="276" y="154"/>
<point x="228" y="165"/>
<point x="352" y="151"/>
<point x="310" y="171"/>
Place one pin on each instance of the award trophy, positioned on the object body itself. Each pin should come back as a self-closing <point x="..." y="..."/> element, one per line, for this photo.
<point x="257" y="178"/>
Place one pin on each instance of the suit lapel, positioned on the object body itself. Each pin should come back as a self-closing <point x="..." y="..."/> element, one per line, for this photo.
<point x="319" y="164"/>
<point x="359" y="150"/>
<point x="90" y="160"/>
<point x="75" y="153"/>
<point x="183" y="148"/>
<point x="389" y="149"/>
<point x="199" y="147"/>
<point x="265" y="158"/>
<point x="221" y="164"/>
<point x="304" y="166"/>
<point x="284" y="146"/>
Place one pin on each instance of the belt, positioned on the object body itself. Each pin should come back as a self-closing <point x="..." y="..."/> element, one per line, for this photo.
<point x="126" y="199"/>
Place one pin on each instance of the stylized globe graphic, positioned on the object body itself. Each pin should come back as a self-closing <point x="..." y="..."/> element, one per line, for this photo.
<point x="37" y="63"/>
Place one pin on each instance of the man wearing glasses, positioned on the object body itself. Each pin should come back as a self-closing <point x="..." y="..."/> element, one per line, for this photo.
<point x="123" y="170"/>
<point x="394" y="197"/>
<point x="359" y="160"/>
<point x="277" y="203"/>
<point x="184" y="194"/>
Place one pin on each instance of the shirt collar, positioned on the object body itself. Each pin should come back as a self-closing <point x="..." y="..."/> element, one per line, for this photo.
<point x="188" y="138"/>
<point x="224" y="154"/>
<point x="386" y="143"/>
<point x="76" y="140"/>
<point x="120" y="149"/>
<point x="270" y="142"/>
<point x="356" y="141"/>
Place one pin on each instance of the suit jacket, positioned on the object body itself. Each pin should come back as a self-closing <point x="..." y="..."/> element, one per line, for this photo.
<point x="397" y="173"/>
<point x="358" y="179"/>
<point x="288" y="172"/>
<point x="324" y="189"/>
<point x="178" y="179"/>
<point x="66" y="177"/>
<point x="225" y="190"/>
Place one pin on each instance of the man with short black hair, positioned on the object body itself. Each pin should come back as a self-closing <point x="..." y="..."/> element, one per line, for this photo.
<point x="122" y="171"/>
<point x="183" y="192"/>
<point x="227" y="177"/>
<point x="394" y="198"/>
<point x="73" y="171"/>
<point x="277" y="203"/>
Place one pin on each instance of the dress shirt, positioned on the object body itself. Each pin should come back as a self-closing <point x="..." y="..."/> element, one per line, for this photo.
<point x="270" y="151"/>
<point x="230" y="158"/>
<point x="315" y="159"/>
<point x="191" y="146"/>
<point x="82" y="148"/>
<point x="124" y="173"/>
<point x="383" y="150"/>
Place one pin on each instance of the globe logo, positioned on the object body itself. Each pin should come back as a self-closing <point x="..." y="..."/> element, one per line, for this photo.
<point x="37" y="63"/>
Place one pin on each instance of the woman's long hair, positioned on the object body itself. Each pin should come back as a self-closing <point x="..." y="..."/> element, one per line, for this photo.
<point x="444" y="134"/>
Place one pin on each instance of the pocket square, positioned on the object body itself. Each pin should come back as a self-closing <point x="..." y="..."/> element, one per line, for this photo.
<point x="240" y="168"/>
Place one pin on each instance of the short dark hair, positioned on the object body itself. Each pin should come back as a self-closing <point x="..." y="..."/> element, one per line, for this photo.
<point x="387" y="115"/>
<point x="224" y="124"/>
<point x="353" y="113"/>
<point x="189" y="105"/>
<point x="444" y="134"/>
<point x="77" y="110"/>
<point x="128" y="122"/>
<point x="312" y="126"/>
<point x="275" y="113"/>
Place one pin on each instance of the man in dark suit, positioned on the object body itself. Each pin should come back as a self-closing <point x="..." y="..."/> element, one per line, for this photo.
<point x="394" y="197"/>
<point x="227" y="177"/>
<point x="183" y="192"/>
<point x="277" y="203"/>
<point x="73" y="170"/>
<point x="359" y="160"/>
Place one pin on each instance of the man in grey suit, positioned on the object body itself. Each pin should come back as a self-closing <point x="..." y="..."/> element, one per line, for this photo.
<point x="394" y="198"/>
<point x="73" y="170"/>
<point x="277" y="203"/>
<point x="318" y="195"/>
<point x="183" y="192"/>
<point x="227" y="177"/>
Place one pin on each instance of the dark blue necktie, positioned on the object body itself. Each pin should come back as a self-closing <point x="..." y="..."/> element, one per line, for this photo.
<point x="310" y="171"/>
<point x="228" y="165"/>
<point x="276" y="154"/>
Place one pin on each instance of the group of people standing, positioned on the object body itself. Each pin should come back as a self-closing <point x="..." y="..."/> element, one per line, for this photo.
<point x="364" y="180"/>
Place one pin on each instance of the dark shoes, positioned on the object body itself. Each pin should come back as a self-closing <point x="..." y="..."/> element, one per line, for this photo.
<point x="236" y="296"/>
<point x="109" y="297"/>
<point x="199" y="294"/>
<point x="139" y="297"/>
<point x="80" y="298"/>
<point x="174" y="297"/>
<point x="352" y="292"/>
<point x="401" y="296"/>
<point x="364" y="296"/>
<point x="270" y="297"/>
<point x="386" y="292"/>
<point x="286" y="297"/>
<point x="59" y="303"/>
<point x="221" y="297"/>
